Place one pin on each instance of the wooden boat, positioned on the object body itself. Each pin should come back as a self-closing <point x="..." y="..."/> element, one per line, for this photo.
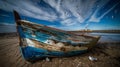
<point x="39" y="41"/>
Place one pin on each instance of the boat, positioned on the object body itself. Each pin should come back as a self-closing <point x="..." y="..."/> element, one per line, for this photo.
<point x="38" y="41"/>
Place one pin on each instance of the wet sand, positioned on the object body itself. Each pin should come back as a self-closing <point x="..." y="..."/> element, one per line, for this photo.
<point x="108" y="55"/>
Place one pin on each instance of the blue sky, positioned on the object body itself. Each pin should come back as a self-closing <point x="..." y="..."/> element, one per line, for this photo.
<point x="63" y="14"/>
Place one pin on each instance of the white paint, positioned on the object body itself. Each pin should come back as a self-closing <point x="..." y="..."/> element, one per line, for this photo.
<point x="59" y="44"/>
<point x="51" y="42"/>
<point x="33" y="36"/>
<point x="30" y="43"/>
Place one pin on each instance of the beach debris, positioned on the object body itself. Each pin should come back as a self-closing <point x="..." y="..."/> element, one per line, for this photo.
<point x="78" y="64"/>
<point x="92" y="58"/>
<point x="47" y="59"/>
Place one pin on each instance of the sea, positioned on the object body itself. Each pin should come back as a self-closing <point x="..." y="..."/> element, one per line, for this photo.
<point x="108" y="37"/>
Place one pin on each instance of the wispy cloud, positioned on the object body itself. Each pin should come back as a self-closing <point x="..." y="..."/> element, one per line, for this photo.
<point x="67" y="12"/>
<point x="94" y="17"/>
<point x="28" y="8"/>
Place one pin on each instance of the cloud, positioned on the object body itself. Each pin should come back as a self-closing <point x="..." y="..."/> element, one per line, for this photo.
<point x="94" y="17"/>
<point x="67" y="12"/>
<point x="68" y="9"/>
<point x="28" y="8"/>
<point x="68" y="22"/>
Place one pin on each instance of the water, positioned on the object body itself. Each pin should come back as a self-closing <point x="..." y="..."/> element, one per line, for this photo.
<point x="108" y="37"/>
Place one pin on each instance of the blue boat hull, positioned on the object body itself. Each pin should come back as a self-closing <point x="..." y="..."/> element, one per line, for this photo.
<point x="32" y="53"/>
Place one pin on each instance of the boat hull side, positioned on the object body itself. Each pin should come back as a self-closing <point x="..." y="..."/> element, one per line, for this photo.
<point x="32" y="53"/>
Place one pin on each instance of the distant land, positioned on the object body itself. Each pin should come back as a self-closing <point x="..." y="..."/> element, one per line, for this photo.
<point x="11" y="34"/>
<point x="10" y="28"/>
<point x="78" y="31"/>
<point x="97" y="31"/>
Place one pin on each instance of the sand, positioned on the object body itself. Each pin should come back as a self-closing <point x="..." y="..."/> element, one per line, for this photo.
<point x="108" y="55"/>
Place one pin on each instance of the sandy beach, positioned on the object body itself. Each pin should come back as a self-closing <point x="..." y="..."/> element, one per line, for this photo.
<point x="107" y="55"/>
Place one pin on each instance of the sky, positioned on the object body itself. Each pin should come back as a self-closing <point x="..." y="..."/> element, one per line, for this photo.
<point x="62" y="14"/>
